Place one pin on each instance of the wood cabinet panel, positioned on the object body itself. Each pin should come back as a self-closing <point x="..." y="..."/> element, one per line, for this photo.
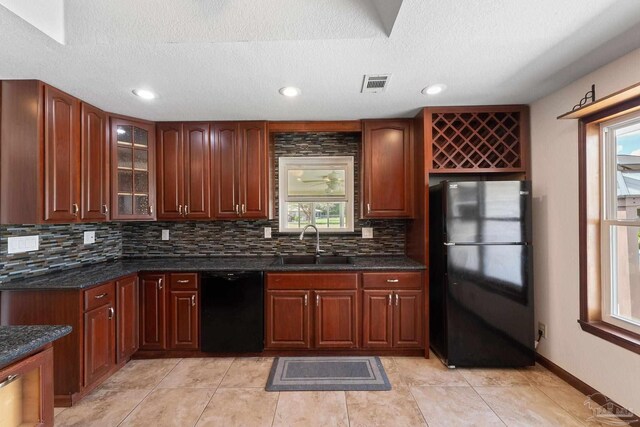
<point x="127" y="316"/>
<point x="336" y="319"/>
<point x="387" y="177"/>
<point x="254" y="169"/>
<point x="61" y="156"/>
<point x="170" y="168"/>
<point x="408" y="319"/>
<point x="377" y="325"/>
<point x="98" y="296"/>
<point x="287" y="315"/>
<point x="312" y="281"/>
<point x="197" y="171"/>
<point x="226" y="170"/>
<point x="99" y="338"/>
<point x="183" y="281"/>
<point x="183" y="320"/>
<point x="392" y="280"/>
<point x="94" y="149"/>
<point x="153" y="316"/>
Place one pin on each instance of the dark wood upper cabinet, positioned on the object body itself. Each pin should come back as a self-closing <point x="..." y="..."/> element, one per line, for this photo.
<point x="61" y="156"/>
<point x="133" y="164"/>
<point x="336" y="319"/>
<point x="170" y="183"/>
<point x="240" y="178"/>
<point x="127" y="297"/>
<point x="197" y="171"/>
<point x="94" y="150"/>
<point x="254" y="169"/>
<point x="153" y="311"/>
<point x="387" y="169"/>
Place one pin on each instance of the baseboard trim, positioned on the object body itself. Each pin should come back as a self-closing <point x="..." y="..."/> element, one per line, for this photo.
<point x="586" y="389"/>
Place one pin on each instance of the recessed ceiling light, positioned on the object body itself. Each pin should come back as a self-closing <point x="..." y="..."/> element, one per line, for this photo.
<point x="289" y="91"/>
<point x="144" y="93"/>
<point x="434" y="89"/>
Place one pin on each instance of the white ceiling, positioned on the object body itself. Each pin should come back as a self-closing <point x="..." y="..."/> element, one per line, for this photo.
<point x="226" y="59"/>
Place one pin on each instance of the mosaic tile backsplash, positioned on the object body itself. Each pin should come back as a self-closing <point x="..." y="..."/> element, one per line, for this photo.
<point x="222" y="238"/>
<point x="61" y="247"/>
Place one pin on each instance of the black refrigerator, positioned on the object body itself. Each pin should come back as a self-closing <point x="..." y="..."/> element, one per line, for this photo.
<point x="481" y="281"/>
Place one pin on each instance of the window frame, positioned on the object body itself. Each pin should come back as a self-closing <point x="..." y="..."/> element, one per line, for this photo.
<point x="341" y="162"/>
<point x="590" y="189"/>
<point x="609" y="218"/>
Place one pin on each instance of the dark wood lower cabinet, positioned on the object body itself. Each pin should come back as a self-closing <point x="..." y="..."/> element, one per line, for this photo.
<point x="183" y="320"/>
<point x="153" y="311"/>
<point x="288" y="319"/>
<point x="336" y="319"/>
<point x="377" y="324"/>
<point x="99" y="339"/>
<point x="408" y="319"/>
<point x="127" y="316"/>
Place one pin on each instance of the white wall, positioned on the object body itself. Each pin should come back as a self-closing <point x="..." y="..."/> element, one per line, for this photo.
<point x="608" y="368"/>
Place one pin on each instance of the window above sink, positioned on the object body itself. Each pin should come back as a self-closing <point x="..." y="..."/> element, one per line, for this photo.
<point x="317" y="191"/>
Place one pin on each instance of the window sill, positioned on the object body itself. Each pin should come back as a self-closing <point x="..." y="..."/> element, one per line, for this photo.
<point x="613" y="334"/>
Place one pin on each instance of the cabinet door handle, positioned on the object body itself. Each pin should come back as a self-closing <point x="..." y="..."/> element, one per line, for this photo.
<point x="74" y="209"/>
<point x="392" y="280"/>
<point x="159" y="283"/>
<point x="186" y="210"/>
<point x="150" y="210"/>
<point x="390" y="298"/>
<point x="101" y="295"/>
<point x="368" y="208"/>
<point x="397" y="299"/>
<point x="238" y="210"/>
<point x="306" y="300"/>
<point x="317" y="300"/>
<point x="9" y="380"/>
<point x="182" y="281"/>
<point x="111" y="313"/>
<point x="244" y="209"/>
<point x="105" y="209"/>
<point x="180" y="210"/>
<point x="193" y="300"/>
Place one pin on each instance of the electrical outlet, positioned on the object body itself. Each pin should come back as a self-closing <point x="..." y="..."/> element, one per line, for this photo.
<point x="89" y="237"/>
<point x="367" y="233"/>
<point x="165" y="234"/>
<point x="267" y="232"/>
<point x="542" y="328"/>
<point x="16" y="245"/>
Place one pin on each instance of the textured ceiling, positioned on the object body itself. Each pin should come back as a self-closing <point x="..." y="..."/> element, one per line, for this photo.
<point x="226" y="59"/>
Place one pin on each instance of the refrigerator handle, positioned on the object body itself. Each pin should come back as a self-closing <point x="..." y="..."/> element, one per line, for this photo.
<point x="449" y="244"/>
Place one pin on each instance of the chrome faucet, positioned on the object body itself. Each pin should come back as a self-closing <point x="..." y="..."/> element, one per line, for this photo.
<point x="318" y="250"/>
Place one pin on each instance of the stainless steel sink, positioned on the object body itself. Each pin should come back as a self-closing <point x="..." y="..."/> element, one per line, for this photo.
<point x="313" y="260"/>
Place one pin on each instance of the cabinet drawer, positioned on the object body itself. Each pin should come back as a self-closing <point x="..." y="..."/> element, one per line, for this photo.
<point x="312" y="281"/>
<point x="99" y="296"/>
<point x="184" y="281"/>
<point x="391" y="280"/>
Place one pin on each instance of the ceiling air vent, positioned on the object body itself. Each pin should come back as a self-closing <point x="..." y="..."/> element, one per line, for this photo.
<point x="375" y="83"/>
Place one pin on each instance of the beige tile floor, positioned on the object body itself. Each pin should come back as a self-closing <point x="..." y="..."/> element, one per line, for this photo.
<point x="230" y="392"/>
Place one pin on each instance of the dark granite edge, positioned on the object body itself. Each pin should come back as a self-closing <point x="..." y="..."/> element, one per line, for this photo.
<point x="99" y="273"/>
<point x="22" y="340"/>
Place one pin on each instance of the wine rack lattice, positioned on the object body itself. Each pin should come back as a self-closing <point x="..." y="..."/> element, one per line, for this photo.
<point x="480" y="140"/>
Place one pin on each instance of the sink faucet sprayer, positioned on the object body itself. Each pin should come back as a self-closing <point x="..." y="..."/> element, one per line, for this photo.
<point x="318" y="251"/>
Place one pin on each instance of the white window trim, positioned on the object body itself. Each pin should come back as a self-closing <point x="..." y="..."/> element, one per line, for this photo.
<point x="608" y="209"/>
<point x="341" y="162"/>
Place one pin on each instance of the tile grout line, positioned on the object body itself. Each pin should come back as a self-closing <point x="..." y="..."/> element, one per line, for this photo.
<point x="419" y="409"/>
<point x="150" y="390"/>
<point x="273" y="421"/>
<point x="346" y="406"/>
<point x="534" y="385"/>
<point x="215" y="390"/>
<point x="488" y="406"/>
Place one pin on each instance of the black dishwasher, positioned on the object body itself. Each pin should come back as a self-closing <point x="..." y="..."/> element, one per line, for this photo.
<point x="232" y="312"/>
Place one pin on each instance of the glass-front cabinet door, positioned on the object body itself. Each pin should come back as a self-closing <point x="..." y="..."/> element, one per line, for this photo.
<point x="133" y="174"/>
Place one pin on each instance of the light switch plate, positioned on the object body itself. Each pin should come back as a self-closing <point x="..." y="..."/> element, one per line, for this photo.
<point x="165" y="234"/>
<point x="367" y="232"/>
<point x="267" y="232"/>
<point x="89" y="237"/>
<point x="16" y="245"/>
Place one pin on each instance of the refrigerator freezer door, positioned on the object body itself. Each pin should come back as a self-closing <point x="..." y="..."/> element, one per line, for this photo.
<point x="488" y="212"/>
<point x="489" y="306"/>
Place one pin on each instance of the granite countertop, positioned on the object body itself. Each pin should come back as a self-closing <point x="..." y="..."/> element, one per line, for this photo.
<point x="95" y="274"/>
<point x="17" y="342"/>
